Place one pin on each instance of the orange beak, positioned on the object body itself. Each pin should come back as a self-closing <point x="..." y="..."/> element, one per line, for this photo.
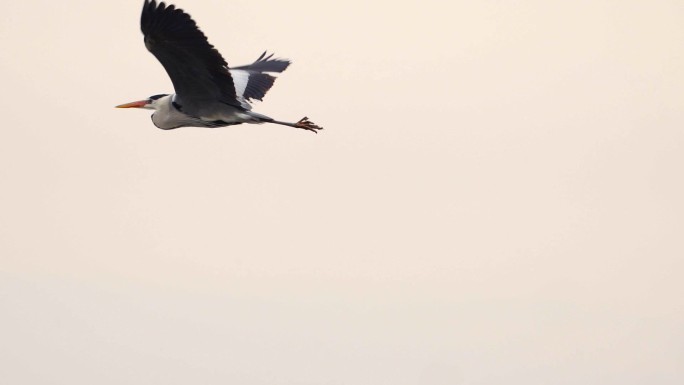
<point x="138" y="104"/>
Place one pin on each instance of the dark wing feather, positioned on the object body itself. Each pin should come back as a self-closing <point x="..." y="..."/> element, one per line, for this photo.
<point x="266" y="64"/>
<point x="259" y="82"/>
<point x="198" y="71"/>
<point x="258" y="85"/>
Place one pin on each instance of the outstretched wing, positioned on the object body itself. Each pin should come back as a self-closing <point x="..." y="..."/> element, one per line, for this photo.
<point x="252" y="81"/>
<point x="197" y="70"/>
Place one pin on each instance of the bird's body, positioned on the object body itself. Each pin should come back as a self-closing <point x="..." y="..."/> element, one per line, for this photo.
<point x="208" y="92"/>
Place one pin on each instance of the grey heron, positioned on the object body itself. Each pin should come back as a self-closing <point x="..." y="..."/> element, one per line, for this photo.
<point x="208" y="93"/>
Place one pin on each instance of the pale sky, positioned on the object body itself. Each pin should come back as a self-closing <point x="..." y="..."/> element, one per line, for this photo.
<point x="497" y="198"/>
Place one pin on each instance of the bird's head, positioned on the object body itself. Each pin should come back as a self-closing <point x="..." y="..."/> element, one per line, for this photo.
<point x="151" y="103"/>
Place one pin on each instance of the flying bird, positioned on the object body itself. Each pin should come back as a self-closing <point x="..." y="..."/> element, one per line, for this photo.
<point x="208" y="93"/>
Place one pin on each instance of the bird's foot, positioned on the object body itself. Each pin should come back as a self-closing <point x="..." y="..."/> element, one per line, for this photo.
<point x="308" y="125"/>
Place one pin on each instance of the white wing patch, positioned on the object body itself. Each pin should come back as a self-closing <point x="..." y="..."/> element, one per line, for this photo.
<point x="240" y="79"/>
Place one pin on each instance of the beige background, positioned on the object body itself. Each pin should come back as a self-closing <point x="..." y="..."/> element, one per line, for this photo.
<point x="496" y="199"/>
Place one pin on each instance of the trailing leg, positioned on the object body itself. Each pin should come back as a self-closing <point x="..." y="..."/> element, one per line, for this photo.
<point x="304" y="124"/>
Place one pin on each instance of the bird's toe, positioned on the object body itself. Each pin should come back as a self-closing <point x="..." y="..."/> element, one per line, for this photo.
<point x="308" y="125"/>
